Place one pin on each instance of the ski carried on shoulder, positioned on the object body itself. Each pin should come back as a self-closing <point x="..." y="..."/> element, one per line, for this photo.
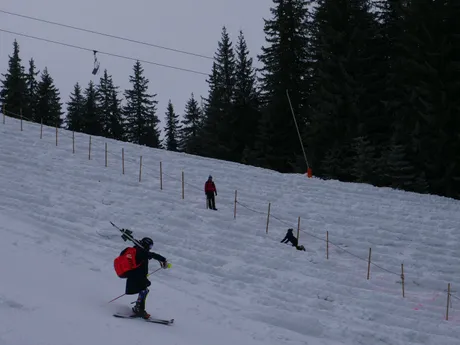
<point x="151" y="319"/>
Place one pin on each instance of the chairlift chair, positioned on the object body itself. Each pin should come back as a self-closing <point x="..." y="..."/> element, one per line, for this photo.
<point x="96" y="63"/>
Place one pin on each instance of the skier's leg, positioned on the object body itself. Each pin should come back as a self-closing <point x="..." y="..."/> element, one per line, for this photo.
<point x="208" y="200"/>
<point x="213" y="202"/>
<point x="139" y="308"/>
<point x="144" y="297"/>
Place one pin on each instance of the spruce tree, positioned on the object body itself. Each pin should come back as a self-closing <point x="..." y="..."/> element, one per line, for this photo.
<point x="92" y="120"/>
<point x="49" y="106"/>
<point x="217" y="130"/>
<point x="14" y="89"/>
<point x="394" y="96"/>
<point x="400" y="172"/>
<point x="191" y="126"/>
<point x="110" y="108"/>
<point x="31" y="93"/>
<point x="76" y="110"/>
<point x="346" y="87"/>
<point x="431" y="81"/>
<point x="285" y="67"/>
<point x="117" y="126"/>
<point x="172" y="128"/>
<point x="140" y="111"/>
<point x="364" y="162"/>
<point x="245" y="105"/>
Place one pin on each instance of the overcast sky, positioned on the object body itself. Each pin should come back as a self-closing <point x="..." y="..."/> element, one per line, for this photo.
<point x="189" y="25"/>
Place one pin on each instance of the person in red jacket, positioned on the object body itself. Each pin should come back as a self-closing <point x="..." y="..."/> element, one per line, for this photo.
<point x="210" y="190"/>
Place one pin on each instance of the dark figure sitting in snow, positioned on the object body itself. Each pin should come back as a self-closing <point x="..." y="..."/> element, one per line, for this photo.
<point x="291" y="238"/>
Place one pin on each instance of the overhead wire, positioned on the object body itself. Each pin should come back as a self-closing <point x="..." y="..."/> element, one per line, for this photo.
<point x="105" y="53"/>
<point x="108" y="35"/>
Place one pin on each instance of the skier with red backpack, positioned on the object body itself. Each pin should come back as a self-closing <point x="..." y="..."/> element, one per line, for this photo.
<point x="132" y="264"/>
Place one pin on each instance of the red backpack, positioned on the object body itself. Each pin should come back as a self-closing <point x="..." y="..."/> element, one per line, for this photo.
<point x="125" y="262"/>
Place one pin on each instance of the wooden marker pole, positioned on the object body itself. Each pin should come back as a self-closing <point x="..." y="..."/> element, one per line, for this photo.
<point x="106" y="155"/>
<point x="41" y="128"/>
<point x="56" y="134"/>
<point x="123" y="160"/>
<point x="161" y="176"/>
<point x="268" y="217"/>
<point x="298" y="231"/>
<point x="73" y="141"/>
<point x="448" y="301"/>
<point x="140" y="169"/>
<point x="369" y="264"/>
<point x="20" y="112"/>
<point x="234" y="207"/>
<point x="89" y="149"/>
<point x="183" y="193"/>
<point x="402" y="279"/>
<point x="4" y="112"/>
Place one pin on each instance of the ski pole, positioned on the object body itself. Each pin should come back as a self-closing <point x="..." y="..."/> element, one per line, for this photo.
<point x="153" y="272"/>
<point x="169" y="266"/>
<point x="116" y="298"/>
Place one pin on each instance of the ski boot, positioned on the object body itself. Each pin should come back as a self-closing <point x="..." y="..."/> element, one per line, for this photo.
<point x="140" y="312"/>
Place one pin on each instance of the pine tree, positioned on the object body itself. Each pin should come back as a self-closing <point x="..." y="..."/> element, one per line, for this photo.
<point x="218" y="110"/>
<point x="245" y="105"/>
<point x="329" y="163"/>
<point x="393" y="98"/>
<point x="76" y="110"/>
<point x="140" y="111"/>
<point x="49" y="106"/>
<point x="117" y="129"/>
<point x="13" y="91"/>
<point x="285" y="67"/>
<point x="110" y="108"/>
<point x="92" y="121"/>
<point x="346" y="86"/>
<point x="364" y="162"/>
<point x="431" y="81"/>
<point x="31" y="93"/>
<point x="400" y="171"/>
<point x="172" y="129"/>
<point x="191" y="126"/>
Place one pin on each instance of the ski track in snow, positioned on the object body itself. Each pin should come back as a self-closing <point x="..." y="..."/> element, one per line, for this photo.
<point x="230" y="281"/>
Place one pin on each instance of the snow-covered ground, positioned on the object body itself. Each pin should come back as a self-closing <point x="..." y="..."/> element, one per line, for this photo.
<point x="230" y="283"/>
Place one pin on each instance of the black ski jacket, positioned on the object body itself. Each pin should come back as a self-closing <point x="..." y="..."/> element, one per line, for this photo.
<point x="137" y="278"/>
<point x="290" y="238"/>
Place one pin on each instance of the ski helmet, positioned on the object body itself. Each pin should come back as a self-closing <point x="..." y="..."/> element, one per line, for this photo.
<point x="147" y="243"/>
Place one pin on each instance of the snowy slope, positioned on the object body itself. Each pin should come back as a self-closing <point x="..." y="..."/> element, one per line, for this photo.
<point x="231" y="283"/>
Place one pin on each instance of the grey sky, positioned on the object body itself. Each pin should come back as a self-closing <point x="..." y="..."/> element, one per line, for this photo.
<point x="191" y="25"/>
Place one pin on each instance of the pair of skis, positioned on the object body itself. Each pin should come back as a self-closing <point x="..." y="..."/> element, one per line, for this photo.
<point x="151" y="319"/>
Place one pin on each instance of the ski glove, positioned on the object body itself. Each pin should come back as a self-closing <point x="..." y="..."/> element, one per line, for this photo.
<point x="164" y="264"/>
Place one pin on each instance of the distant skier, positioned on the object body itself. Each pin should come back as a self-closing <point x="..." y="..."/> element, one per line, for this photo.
<point x="291" y="238"/>
<point x="210" y="190"/>
<point x="133" y="264"/>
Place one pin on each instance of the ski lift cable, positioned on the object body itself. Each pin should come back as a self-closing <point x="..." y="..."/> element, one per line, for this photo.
<point x="105" y="53"/>
<point x="107" y="35"/>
